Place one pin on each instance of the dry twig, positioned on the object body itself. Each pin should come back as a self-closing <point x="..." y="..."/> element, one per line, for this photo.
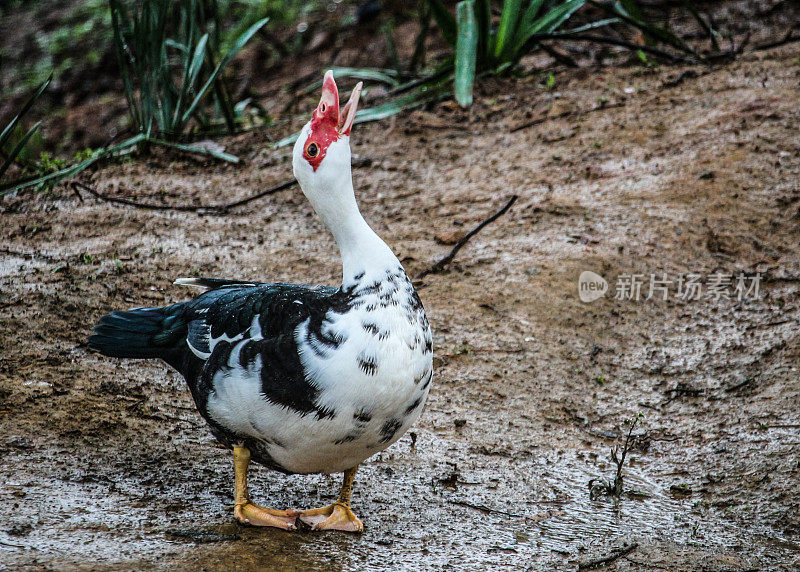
<point x="207" y="209"/>
<point x="215" y="209"/>
<point x="440" y="265"/>
<point x="598" y="562"/>
<point x="484" y="508"/>
<point x="598" y="39"/>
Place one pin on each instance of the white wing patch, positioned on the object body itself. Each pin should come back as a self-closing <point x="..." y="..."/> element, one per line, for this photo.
<point x="252" y="333"/>
<point x="191" y="282"/>
<point x="202" y="355"/>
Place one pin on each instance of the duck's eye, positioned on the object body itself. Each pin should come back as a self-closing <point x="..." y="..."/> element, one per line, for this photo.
<point x="312" y="150"/>
<point x="322" y="107"/>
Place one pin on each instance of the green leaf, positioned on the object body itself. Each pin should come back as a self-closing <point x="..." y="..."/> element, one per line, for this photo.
<point x="17" y="148"/>
<point x="191" y="73"/>
<point x="445" y="21"/>
<point x="237" y="46"/>
<point x="547" y="23"/>
<point x="25" y="108"/>
<point x="509" y="21"/>
<point x="466" y="52"/>
<point x="68" y="172"/>
<point x="196" y="149"/>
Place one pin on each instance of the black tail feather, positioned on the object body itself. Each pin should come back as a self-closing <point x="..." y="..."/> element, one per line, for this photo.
<point x="140" y="333"/>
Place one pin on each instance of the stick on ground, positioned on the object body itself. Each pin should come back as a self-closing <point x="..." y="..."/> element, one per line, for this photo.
<point x="440" y="265"/>
<point x="484" y="508"/>
<point x="598" y="562"/>
<point x="212" y="209"/>
<point x="219" y="209"/>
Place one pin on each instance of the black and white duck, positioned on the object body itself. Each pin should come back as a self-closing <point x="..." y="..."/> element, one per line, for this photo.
<point x="301" y="379"/>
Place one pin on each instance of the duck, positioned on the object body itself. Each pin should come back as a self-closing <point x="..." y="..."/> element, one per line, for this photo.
<point x="298" y="378"/>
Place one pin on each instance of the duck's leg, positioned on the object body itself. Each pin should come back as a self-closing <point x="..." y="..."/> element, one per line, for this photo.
<point x="337" y="516"/>
<point x="246" y="511"/>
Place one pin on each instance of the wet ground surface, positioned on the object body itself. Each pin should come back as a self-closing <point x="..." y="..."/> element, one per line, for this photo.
<point x="105" y="464"/>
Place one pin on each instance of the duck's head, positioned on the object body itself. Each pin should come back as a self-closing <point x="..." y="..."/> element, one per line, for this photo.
<point x="321" y="159"/>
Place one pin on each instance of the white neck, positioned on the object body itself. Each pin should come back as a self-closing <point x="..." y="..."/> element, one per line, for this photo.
<point x="330" y="191"/>
<point x="362" y="250"/>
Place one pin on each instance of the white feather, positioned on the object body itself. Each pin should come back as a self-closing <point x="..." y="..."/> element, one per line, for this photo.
<point x="392" y="394"/>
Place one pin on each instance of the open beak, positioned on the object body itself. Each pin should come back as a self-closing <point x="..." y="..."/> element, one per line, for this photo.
<point x="329" y="104"/>
<point x="348" y="114"/>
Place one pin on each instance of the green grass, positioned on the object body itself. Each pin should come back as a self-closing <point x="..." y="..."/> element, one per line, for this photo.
<point x="483" y="44"/>
<point x="79" y="35"/>
<point x="480" y="46"/>
<point x="170" y="71"/>
<point x="10" y="156"/>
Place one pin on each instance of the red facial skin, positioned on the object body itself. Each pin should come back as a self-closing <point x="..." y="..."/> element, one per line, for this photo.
<point x="324" y="124"/>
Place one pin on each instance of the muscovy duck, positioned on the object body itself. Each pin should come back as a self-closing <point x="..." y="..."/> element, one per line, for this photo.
<point x="301" y="379"/>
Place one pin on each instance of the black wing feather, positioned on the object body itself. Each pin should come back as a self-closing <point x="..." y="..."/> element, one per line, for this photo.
<point x="229" y="309"/>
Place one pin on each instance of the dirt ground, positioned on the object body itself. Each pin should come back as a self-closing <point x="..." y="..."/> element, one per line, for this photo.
<point x="105" y="464"/>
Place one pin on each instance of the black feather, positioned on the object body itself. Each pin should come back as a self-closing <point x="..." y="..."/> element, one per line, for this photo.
<point x="229" y="309"/>
<point x="140" y="333"/>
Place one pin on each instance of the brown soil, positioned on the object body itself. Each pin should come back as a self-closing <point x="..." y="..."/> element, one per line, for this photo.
<point x="104" y="460"/>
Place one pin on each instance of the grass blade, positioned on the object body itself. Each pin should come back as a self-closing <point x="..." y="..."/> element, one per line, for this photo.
<point x="196" y="149"/>
<point x="424" y="18"/>
<point x="443" y="70"/>
<point x="444" y="19"/>
<point x="25" y="108"/>
<point x="509" y="22"/>
<point x="592" y="26"/>
<point x="632" y="8"/>
<point x="547" y="23"/>
<point x="177" y="45"/>
<point x="712" y="34"/>
<point x="558" y="15"/>
<point x="237" y="46"/>
<point x="466" y="51"/>
<point x="68" y="172"/>
<point x="17" y="148"/>
<point x="119" y="20"/>
<point x="222" y="100"/>
<point x="525" y="24"/>
<point x="656" y="32"/>
<point x="190" y="80"/>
